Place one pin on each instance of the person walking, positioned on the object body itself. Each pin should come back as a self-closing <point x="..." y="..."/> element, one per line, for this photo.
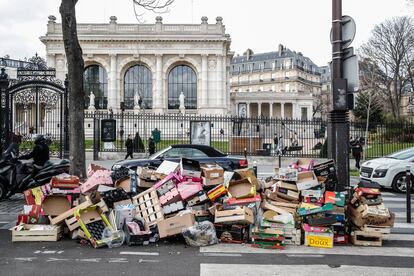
<point x="151" y="145"/>
<point x="130" y="147"/>
<point x="357" y="152"/>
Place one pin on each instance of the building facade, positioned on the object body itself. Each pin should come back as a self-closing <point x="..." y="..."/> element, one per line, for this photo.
<point x="278" y="84"/>
<point x="150" y="64"/>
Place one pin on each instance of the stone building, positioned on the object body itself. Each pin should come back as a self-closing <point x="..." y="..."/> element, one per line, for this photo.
<point x="154" y="63"/>
<point x="278" y="84"/>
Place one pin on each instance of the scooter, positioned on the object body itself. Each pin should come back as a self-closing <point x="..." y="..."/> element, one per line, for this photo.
<point x="16" y="177"/>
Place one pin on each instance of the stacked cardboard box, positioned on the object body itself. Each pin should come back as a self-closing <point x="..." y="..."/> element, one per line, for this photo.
<point x="371" y="220"/>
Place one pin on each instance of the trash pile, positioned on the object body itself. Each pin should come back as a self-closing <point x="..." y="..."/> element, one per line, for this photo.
<point x="371" y="220"/>
<point x="202" y="203"/>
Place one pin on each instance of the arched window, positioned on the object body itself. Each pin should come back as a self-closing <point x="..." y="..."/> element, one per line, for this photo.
<point x="182" y="78"/>
<point x="138" y="81"/>
<point x="95" y="80"/>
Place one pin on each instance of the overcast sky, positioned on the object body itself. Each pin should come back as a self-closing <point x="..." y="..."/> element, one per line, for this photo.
<point x="301" y="25"/>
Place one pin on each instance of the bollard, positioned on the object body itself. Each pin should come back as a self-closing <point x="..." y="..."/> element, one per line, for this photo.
<point x="280" y="161"/>
<point x="245" y="153"/>
<point x="408" y="192"/>
<point x="255" y="168"/>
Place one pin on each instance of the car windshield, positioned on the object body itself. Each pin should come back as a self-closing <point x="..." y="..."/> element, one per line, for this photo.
<point x="403" y="154"/>
<point x="158" y="153"/>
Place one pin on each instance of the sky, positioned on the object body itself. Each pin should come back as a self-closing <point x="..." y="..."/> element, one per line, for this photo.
<point x="300" y="25"/>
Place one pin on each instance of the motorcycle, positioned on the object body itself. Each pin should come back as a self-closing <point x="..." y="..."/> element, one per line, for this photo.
<point x="16" y="177"/>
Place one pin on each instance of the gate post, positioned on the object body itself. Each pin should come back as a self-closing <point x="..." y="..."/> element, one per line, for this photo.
<point x="66" y="120"/>
<point x="4" y="112"/>
<point x="96" y="138"/>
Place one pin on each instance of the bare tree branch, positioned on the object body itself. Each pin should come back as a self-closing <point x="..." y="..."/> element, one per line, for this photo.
<point x="155" y="6"/>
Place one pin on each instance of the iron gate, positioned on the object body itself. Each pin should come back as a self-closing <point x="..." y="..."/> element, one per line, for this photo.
<point x="36" y="103"/>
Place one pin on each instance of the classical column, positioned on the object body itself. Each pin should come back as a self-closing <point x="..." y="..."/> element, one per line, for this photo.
<point x="294" y="110"/>
<point x="259" y="109"/>
<point x="282" y="110"/>
<point x="204" y="81"/>
<point x="270" y="110"/>
<point x="219" y="71"/>
<point x="113" y="97"/>
<point x="248" y="109"/>
<point x="51" y="61"/>
<point x="225" y="102"/>
<point x="158" y="99"/>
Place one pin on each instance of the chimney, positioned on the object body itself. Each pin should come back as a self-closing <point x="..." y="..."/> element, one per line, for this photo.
<point x="280" y="49"/>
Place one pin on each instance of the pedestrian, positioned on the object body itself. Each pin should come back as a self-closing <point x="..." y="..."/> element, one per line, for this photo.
<point x="357" y="152"/>
<point x="130" y="147"/>
<point x="151" y="145"/>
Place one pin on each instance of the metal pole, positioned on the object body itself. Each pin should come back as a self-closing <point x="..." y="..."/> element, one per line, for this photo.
<point x="338" y="121"/>
<point x="408" y="192"/>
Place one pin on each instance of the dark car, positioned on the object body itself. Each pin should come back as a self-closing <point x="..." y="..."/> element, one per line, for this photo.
<point x="203" y="154"/>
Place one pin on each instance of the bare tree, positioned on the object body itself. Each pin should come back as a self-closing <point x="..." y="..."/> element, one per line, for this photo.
<point x="391" y="49"/>
<point x="75" y="65"/>
<point x="156" y="6"/>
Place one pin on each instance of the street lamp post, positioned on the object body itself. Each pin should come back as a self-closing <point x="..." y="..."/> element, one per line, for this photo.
<point x="121" y="127"/>
<point x="4" y="109"/>
<point x="338" y="118"/>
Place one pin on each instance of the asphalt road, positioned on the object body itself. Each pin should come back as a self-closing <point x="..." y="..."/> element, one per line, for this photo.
<point x="68" y="257"/>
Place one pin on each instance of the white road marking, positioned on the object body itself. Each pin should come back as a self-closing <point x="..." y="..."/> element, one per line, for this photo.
<point x="337" y="250"/>
<point x="139" y="253"/>
<point x="222" y="255"/>
<point x="403" y="225"/>
<point x="148" y="261"/>
<point x="57" y="260"/>
<point x="387" y="194"/>
<point x="397" y="199"/>
<point x="402" y="214"/>
<point x="394" y="205"/>
<point x="399" y="237"/>
<point x="4" y="222"/>
<point x="305" y="255"/>
<point x="118" y="260"/>
<point x="93" y="260"/>
<point x="26" y="259"/>
<point x="254" y="270"/>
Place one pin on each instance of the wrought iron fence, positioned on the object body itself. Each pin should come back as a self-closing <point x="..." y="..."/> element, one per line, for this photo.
<point x="238" y="136"/>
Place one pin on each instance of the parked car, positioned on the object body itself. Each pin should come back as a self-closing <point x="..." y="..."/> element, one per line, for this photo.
<point x="203" y="154"/>
<point x="389" y="171"/>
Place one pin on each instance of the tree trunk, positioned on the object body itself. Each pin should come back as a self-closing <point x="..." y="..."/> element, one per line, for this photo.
<point x="76" y="94"/>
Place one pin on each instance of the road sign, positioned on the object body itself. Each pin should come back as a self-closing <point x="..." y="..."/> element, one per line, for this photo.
<point x="350" y="72"/>
<point x="348" y="31"/>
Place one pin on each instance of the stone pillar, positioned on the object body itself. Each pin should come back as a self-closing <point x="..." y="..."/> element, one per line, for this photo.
<point x="270" y="110"/>
<point x="259" y="109"/>
<point x="204" y="82"/>
<point x="282" y="110"/>
<point x="51" y="61"/>
<point x="295" y="113"/>
<point x="219" y="71"/>
<point x="248" y="109"/>
<point x="113" y="97"/>
<point x="157" y="97"/>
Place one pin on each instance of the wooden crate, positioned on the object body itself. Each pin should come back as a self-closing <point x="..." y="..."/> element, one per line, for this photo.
<point x="148" y="206"/>
<point x="364" y="238"/>
<point x="378" y="229"/>
<point x="37" y="235"/>
<point x="293" y="236"/>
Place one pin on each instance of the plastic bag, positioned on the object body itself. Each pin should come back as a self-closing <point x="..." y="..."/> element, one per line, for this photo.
<point x="201" y="234"/>
<point x="113" y="238"/>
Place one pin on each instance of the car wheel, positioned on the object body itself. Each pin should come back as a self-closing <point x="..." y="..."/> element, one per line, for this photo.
<point x="398" y="184"/>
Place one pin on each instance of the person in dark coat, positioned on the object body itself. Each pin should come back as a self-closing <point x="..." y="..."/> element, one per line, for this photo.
<point x="129" y="144"/>
<point x="40" y="152"/>
<point x="151" y="145"/>
<point x="357" y="151"/>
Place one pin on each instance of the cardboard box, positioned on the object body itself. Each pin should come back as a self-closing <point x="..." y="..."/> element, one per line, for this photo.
<point x="243" y="188"/>
<point x="286" y="174"/>
<point x="54" y="205"/>
<point x="288" y="194"/>
<point x="309" y="209"/>
<point x="189" y="189"/>
<point x="335" y="198"/>
<point x="65" y="181"/>
<point x="316" y="239"/>
<point x="189" y="167"/>
<point x="306" y="180"/>
<point x="212" y="171"/>
<point x="213" y="182"/>
<point x="100" y="177"/>
<point x="215" y="193"/>
<point x="174" y="225"/>
<point x="249" y="173"/>
<point x="313" y="193"/>
<point x="124" y="183"/>
<point x="167" y="167"/>
<point x="242" y="215"/>
<point x="200" y="197"/>
<point x="286" y="185"/>
<point x="243" y="201"/>
<point x="70" y="212"/>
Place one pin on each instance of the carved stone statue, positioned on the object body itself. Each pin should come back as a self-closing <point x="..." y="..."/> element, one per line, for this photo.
<point x="91" y="101"/>
<point x="181" y="98"/>
<point x="137" y="99"/>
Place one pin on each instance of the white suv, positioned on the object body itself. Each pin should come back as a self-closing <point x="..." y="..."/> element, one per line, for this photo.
<point x="389" y="171"/>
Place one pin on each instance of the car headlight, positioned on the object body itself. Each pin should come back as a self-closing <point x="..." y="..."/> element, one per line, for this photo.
<point x="380" y="172"/>
<point x="116" y="166"/>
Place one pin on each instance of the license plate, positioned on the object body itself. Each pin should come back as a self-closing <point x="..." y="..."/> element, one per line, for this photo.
<point x="364" y="174"/>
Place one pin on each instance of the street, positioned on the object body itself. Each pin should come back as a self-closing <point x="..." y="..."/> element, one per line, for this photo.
<point x="67" y="257"/>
